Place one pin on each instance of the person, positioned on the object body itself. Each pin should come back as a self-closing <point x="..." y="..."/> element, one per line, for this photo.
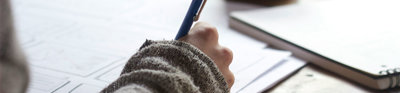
<point x="195" y="63"/>
<point x="192" y="64"/>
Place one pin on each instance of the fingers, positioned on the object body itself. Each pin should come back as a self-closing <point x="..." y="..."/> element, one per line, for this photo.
<point x="227" y="55"/>
<point x="205" y="37"/>
<point x="229" y="77"/>
<point x="205" y="32"/>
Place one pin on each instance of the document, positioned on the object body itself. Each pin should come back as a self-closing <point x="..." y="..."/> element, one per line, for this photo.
<point x="273" y="75"/>
<point x="246" y="70"/>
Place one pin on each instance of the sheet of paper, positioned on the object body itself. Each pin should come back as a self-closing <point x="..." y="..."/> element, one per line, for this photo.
<point x="246" y="69"/>
<point x="67" y="59"/>
<point x="85" y="88"/>
<point x="273" y="75"/>
<point x="44" y="83"/>
<point x="112" y="75"/>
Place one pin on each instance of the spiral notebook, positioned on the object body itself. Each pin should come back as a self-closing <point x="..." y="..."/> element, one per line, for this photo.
<point x="360" y="41"/>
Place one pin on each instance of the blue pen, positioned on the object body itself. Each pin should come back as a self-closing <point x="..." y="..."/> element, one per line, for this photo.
<point x="192" y="15"/>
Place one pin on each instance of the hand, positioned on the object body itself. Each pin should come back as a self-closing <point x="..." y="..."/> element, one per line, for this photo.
<point x="205" y="37"/>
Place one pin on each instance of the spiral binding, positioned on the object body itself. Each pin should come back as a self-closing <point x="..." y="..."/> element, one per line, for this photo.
<point x="394" y="75"/>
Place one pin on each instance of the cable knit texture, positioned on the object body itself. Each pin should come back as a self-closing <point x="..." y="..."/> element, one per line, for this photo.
<point x="169" y="67"/>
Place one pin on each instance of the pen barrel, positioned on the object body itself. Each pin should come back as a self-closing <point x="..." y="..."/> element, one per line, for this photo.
<point x="189" y="18"/>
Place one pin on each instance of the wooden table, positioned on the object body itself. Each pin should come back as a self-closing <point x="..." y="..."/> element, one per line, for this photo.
<point x="313" y="79"/>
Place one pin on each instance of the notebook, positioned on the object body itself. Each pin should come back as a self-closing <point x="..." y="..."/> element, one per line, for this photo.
<point x="82" y="46"/>
<point x="358" y="39"/>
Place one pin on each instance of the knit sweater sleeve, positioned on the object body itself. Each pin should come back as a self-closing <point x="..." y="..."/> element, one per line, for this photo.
<point x="169" y="67"/>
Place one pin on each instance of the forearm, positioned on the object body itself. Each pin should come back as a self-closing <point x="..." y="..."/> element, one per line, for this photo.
<point x="170" y="66"/>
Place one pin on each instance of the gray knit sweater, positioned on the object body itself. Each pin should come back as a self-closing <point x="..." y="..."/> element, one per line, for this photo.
<point x="169" y="67"/>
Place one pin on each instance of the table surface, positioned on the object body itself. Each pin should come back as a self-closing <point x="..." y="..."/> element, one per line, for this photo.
<point x="313" y="79"/>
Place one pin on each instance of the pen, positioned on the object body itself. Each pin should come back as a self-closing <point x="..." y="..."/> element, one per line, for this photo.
<point x="192" y="15"/>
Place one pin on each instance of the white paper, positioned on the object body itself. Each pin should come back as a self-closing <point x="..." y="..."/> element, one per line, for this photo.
<point x="272" y="76"/>
<point x="67" y="59"/>
<point x="85" y="88"/>
<point x="112" y="75"/>
<point x="254" y="68"/>
<point x="44" y="83"/>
